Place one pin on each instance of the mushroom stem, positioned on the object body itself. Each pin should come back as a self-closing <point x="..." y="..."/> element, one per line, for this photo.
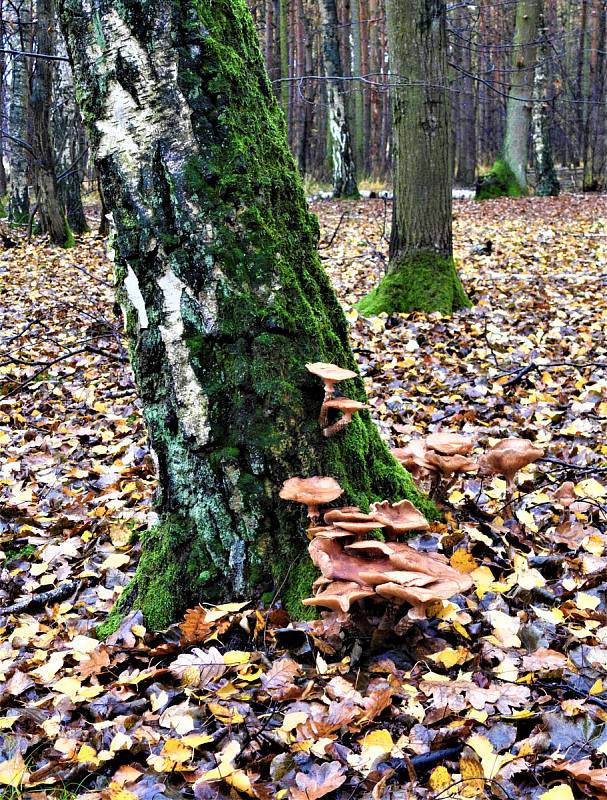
<point x="385" y="627"/>
<point x="333" y="430"/>
<point x="323" y="419"/>
<point x="510" y="487"/>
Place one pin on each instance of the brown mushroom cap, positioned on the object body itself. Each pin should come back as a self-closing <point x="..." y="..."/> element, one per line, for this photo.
<point x="415" y="595"/>
<point x="337" y="565"/>
<point x="399" y="517"/>
<point x="313" y="491"/>
<point x="372" y="548"/>
<point x="345" y="404"/>
<point x="449" y="465"/>
<point x="346" y="514"/>
<point x="358" y="527"/>
<point x="339" y="595"/>
<point x="449" y="444"/>
<point x="334" y="533"/>
<point x="330" y="373"/>
<point x="508" y="456"/>
<point x="413" y="457"/>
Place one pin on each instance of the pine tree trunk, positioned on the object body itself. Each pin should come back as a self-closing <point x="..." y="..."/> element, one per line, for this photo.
<point x="547" y="184"/>
<point x="520" y="95"/>
<point x="357" y="94"/>
<point x="421" y="274"/>
<point x="45" y="178"/>
<point x="18" y="159"/>
<point x="224" y="296"/>
<point x="342" y="155"/>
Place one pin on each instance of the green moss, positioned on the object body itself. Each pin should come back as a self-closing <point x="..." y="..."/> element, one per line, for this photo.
<point x="417" y="282"/>
<point x="298" y="584"/>
<point x="70" y="241"/>
<point x="500" y="181"/>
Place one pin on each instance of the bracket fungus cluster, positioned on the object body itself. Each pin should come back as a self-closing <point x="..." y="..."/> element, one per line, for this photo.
<point x="330" y="374"/>
<point x="354" y="567"/>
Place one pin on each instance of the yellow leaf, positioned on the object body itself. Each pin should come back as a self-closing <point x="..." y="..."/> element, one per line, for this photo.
<point x="590" y="488"/>
<point x="229" y="716"/>
<point x="196" y="739"/>
<point x="596" y="688"/>
<point x="559" y="792"/>
<point x="463" y="561"/>
<point x="292" y="720"/>
<point x="586" y="602"/>
<point x="240" y="781"/>
<point x="382" y="740"/>
<point x="13" y="772"/>
<point x="449" y="657"/>
<point x="115" y="561"/>
<point x="87" y="754"/>
<point x="473" y="777"/>
<point x="439" y="779"/>
<point x="234" y="657"/>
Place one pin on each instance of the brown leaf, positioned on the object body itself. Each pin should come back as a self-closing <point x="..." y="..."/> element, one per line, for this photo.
<point x="322" y="779"/>
<point x="194" y="629"/>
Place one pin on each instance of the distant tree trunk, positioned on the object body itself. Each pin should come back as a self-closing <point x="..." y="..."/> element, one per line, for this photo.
<point x="224" y="296"/>
<point x="69" y="145"/>
<point x="547" y="183"/>
<point x="18" y="158"/>
<point x="45" y="178"/>
<point x="520" y="94"/>
<point x="283" y="25"/>
<point x="357" y="93"/>
<point x="344" y="170"/>
<point x="3" y="185"/>
<point x="466" y="150"/>
<point x="421" y="275"/>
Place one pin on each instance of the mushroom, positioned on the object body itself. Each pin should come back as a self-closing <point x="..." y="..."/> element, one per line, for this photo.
<point x="312" y="492"/>
<point x="348" y="407"/>
<point x="346" y="514"/>
<point x="330" y="374"/>
<point x="506" y="458"/>
<point x="449" y="444"/>
<point x="337" y="565"/>
<point x="339" y="595"/>
<point x="414" y="459"/>
<point x="398" y="518"/>
<point x="358" y="527"/>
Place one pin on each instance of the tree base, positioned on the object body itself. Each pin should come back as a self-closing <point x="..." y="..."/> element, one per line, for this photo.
<point x="422" y="282"/>
<point x="180" y="565"/>
<point x="500" y="181"/>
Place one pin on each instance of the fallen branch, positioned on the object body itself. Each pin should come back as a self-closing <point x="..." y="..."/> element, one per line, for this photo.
<point x="521" y="373"/>
<point x="426" y="761"/>
<point x="59" y="593"/>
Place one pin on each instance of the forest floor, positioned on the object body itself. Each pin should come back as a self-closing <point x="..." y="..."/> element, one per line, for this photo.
<point x="502" y="693"/>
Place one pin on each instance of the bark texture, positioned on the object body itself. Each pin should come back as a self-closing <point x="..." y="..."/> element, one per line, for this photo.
<point x="520" y="95"/>
<point x="18" y="159"/>
<point x="47" y="194"/>
<point x="421" y="274"/>
<point x="224" y="297"/>
<point x="547" y="183"/>
<point x="342" y="154"/>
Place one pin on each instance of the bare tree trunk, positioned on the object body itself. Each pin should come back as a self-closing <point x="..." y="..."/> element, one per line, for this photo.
<point x="47" y="195"/>
<point x="547" y="181"/>
<point x="421" y="274"/>
<point x="344" y="170"/>
<point x="520" y="95"/>
<point x="357" y="88"/>
<point x="225" y="300"/>
<point x="18" y="158"/>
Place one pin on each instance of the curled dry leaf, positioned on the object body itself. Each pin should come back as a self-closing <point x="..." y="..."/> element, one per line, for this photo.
<point x="321" y="780"/>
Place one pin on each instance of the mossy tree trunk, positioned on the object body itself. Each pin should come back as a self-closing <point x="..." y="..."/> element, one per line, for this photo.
<point x="520" y="93"/>
<point x="342" y="153"/>
<point x="421" y="274"/>
<point x="224" y="297"/>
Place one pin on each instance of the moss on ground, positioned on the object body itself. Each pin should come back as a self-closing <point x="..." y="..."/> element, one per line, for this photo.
<point x="421" y="282"/>
<point x="500" y="181"/>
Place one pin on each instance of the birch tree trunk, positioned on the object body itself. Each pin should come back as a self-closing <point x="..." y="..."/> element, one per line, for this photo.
<point x="520" y="94"/>
<point x="224" y="296"/>
<point x="547" y="183"/>
<point x="421" y="274"/>
<point x="342" y="155"/>
<point x="17" y="154"/>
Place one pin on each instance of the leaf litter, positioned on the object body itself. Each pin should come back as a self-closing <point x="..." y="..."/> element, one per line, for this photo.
<point x="501" y="692"/>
